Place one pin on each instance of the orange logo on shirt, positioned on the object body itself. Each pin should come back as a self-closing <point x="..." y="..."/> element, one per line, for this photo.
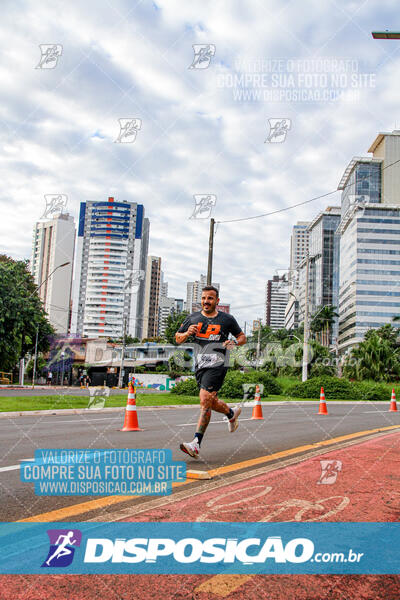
<point x="211" y="330"/>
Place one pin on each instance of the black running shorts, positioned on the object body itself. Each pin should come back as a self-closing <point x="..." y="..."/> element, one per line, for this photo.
<point x="211" y="379"/>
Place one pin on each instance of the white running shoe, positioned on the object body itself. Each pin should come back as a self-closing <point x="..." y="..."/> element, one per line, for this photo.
<point x="233" y="423"/>
<point x="191" y="448"/>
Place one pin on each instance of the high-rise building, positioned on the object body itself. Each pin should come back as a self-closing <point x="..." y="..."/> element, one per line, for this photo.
<point x="324" y="245"/>
<point x="163" y="287"/>
<point x="369" y="293"/>
<point x="298" y="250"/>
<point x="166" y="308"/>
<point x="179" y="305"/>
<point x="152" y="297"/>
<point x="53" y="245"/>
<point x="277" y="294"/>
<point x="110" y="267"/>
<point x="298" y="243"/>
<point x="193" y="293"/>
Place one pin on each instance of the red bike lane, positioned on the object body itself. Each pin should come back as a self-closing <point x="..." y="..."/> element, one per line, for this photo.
<point x="358" y="483"/>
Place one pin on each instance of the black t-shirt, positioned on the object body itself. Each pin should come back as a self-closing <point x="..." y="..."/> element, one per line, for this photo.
<point x="210" y="335"/>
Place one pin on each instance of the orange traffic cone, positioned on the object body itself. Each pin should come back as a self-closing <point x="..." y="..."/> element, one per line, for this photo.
<point x="131" y="420"/>
<point x="393" y="405"/>
<point x="322" y="404"/>
<point x="257" y="410"/>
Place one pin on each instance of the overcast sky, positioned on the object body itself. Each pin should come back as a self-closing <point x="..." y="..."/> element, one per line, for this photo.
<point x="199" y="133"/>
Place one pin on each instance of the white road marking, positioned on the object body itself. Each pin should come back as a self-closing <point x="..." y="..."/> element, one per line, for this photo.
<point x="55" y="422"/>
<point x="11" y="468"/>
<point x="380" y="412"/>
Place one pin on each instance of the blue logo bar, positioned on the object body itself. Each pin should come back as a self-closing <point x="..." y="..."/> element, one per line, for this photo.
<point x="200" y="548"/>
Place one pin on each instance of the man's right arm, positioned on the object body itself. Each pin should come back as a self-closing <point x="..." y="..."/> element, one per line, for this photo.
<point x="182" y="337"/>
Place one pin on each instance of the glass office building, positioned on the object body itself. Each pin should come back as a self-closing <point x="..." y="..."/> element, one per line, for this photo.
<point x="369" y="286"/>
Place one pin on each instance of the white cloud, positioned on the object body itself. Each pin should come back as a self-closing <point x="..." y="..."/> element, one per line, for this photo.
<point x="121" y="60"/>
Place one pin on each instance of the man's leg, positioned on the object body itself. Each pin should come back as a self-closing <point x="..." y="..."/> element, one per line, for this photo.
<point x="221" y="406"/>
<point x="206" y="401"/>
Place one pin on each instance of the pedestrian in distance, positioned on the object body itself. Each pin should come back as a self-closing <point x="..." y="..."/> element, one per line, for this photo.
<point x="49" y="378"/>
<point x="210" y="329"/>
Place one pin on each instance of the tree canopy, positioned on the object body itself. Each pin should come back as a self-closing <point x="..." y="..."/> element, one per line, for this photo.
<point x="376" y="357"/>
<point x="21" y="313"/>
<point x="173" y="323"/>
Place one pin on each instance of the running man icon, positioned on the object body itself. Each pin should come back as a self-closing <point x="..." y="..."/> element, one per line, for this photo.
<point x="61" y="552"/>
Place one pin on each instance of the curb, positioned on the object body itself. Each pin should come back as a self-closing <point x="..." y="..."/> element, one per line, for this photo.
<point x="87" y="411"/>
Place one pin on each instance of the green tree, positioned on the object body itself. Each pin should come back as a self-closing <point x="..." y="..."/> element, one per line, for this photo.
<point x="128" y="340"/>
<point x="322" y="321"/>
<point x="21" y="314"/>
<point x="173" y="323"/>
<point x="386" y="332"/>
<point x="374" y="358"/>
<point x="40" y="364"/>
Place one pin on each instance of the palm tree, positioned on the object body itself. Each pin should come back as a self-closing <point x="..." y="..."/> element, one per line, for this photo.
<point x="322" y="321"/>
<point x="374" y="358"/>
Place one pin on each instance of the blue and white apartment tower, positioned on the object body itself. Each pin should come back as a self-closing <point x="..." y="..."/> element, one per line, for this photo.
<point x="110" y="266"/>
<point x="369" y="286"/>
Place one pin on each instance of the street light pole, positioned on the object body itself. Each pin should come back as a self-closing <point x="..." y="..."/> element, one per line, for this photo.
<point x="210" y="251"/>
<point x="304" y="373"/>
<point x="62" y="373"/>
<point x="22" y="360"/>
<point x="121" y="365"/>
<point x="48" y="277"/>
<point x="34" y="362"/>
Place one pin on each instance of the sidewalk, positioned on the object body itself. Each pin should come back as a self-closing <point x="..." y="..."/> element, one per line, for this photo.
<point x="362" y="483"/>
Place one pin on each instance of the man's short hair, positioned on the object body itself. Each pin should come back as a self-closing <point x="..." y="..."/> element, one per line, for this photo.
<point x="210" y="288"/>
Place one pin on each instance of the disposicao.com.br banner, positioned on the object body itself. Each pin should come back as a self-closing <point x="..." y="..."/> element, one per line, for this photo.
<point x="199" y="548"/>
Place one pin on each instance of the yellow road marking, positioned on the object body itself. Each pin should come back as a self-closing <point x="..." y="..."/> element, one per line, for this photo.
<point x="64" y="514"/>
<point x="223" y="585"/>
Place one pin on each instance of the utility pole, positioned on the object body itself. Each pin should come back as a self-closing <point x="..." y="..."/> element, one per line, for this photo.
<point x="121" y="366"/>
<point x="210" y="251"/>
<point x="34" y="362"/>
<point x="304" y="374"/>
<point x="258" y="341"/>
<point x="62" y="372"/>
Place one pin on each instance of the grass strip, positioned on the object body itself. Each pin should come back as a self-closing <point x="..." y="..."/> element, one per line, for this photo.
<point x="59" y="401"/>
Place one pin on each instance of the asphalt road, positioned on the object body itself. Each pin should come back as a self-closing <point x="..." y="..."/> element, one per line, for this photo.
<point x="285" y="426"/>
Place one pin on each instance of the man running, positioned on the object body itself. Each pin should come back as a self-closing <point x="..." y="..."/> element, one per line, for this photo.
<point x="211" y="330"/>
